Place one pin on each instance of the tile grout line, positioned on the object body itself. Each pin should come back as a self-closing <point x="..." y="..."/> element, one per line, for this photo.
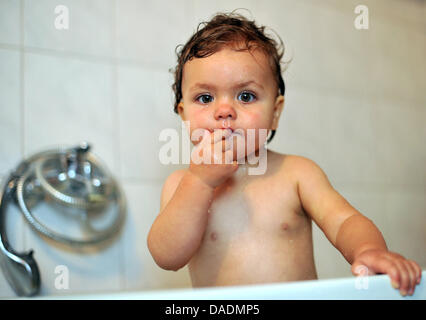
<point x="117" y="158"/>
<point x="140" y="64"/>
<point x="115" y="87"/>
<point x="22" y="100"/>
<point x="21" y="77"/>
<point x="84" y="57"/>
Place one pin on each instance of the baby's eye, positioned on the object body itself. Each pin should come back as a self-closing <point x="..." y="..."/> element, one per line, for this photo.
<point x="205" y="98"/>
<point x="246" y="96"/>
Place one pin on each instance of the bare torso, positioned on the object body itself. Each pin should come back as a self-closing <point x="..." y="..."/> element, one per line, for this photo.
<point x="257" y="230"/>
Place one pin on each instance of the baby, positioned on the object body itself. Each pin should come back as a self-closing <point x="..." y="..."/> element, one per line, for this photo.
<point x="232" y="227"/>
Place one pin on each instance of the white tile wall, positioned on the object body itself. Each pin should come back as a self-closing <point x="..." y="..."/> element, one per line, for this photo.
<point x="153" y="38"/>
<point x="400" y="131"/>
<point x="141" y="272"/>
<point x="10" y="111"/>
<point x="314" y="123"/>
<point x="203" y="10"/>
<point x="88" y="33"/>
<point x="343" y="52"/>
<point x="145" y="108"/>
<point x="300" y="124"/>
<point x="354" y="104"/>
<point x="348" y="119"/>
<point x="405" y="214"/>
<point x="90" y="269"/>
<point x="68" y="101"/>
<point x="301" y="56"/>
<point x="397" y="54"/>
<point x="282" y="18"/>
<point x="10" y="27"/>
<point x="368" y="200"/>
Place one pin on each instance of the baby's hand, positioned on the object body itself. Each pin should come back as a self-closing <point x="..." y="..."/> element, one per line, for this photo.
<point x="213" y="148"/>
<point x="404" y="274"/>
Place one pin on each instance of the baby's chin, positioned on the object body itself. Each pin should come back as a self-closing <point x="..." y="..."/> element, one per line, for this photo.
<point x="241" y="151"/>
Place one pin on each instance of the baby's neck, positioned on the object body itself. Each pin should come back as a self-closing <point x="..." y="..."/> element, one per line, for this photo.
<point x="253" y="161"/>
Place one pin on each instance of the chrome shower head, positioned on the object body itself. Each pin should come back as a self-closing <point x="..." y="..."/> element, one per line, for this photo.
<point x="20" y="269"/>
<point x="72" y="179"/>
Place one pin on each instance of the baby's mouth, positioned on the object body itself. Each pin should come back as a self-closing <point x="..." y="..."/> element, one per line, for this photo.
<point x="226" y="124"/>
<point x="222" y="128"/>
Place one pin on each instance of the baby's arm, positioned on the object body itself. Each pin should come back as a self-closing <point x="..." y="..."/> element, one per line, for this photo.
<point x="354" y="235"/>
<point x="177" y="231"/>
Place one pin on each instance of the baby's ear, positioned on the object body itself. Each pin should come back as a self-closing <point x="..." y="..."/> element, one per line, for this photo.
<point x="180" y="108"/>
<point x="279" y="105"/>
<point x="279" y="102"/>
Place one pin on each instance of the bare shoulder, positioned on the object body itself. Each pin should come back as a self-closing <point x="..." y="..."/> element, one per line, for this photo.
<point x="303" y="165"/>
<point x="299" y="167"/>
<point x="309" y="176"/>
<point x="170" y="185"/>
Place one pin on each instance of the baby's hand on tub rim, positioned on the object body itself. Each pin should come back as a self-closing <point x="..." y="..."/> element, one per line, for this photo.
<point x="404" y="274"/>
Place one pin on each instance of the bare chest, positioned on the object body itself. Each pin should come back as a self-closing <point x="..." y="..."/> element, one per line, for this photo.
<point x="255" y="207"/>
<point x="257" y="232"/>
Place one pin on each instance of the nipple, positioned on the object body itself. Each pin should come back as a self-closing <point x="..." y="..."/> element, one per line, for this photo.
<point x="213" y="236"/>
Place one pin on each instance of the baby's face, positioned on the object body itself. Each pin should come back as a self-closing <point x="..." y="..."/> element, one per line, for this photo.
<point x="230" y="89"/>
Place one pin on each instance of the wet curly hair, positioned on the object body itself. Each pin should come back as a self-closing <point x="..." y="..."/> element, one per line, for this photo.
<point x="222" y="30"/>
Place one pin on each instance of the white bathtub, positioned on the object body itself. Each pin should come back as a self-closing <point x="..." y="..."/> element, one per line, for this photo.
<point x="369" y="288"/>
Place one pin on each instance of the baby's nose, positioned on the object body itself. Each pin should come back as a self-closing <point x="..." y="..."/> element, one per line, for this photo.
<point x="224" y="112"/>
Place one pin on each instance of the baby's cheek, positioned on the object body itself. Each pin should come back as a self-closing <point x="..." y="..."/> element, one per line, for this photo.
<point x="195" y="117"/>
<point x="257" y="121"/>
<point x="194" y="123"/>
<point x="256" y="131"/>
